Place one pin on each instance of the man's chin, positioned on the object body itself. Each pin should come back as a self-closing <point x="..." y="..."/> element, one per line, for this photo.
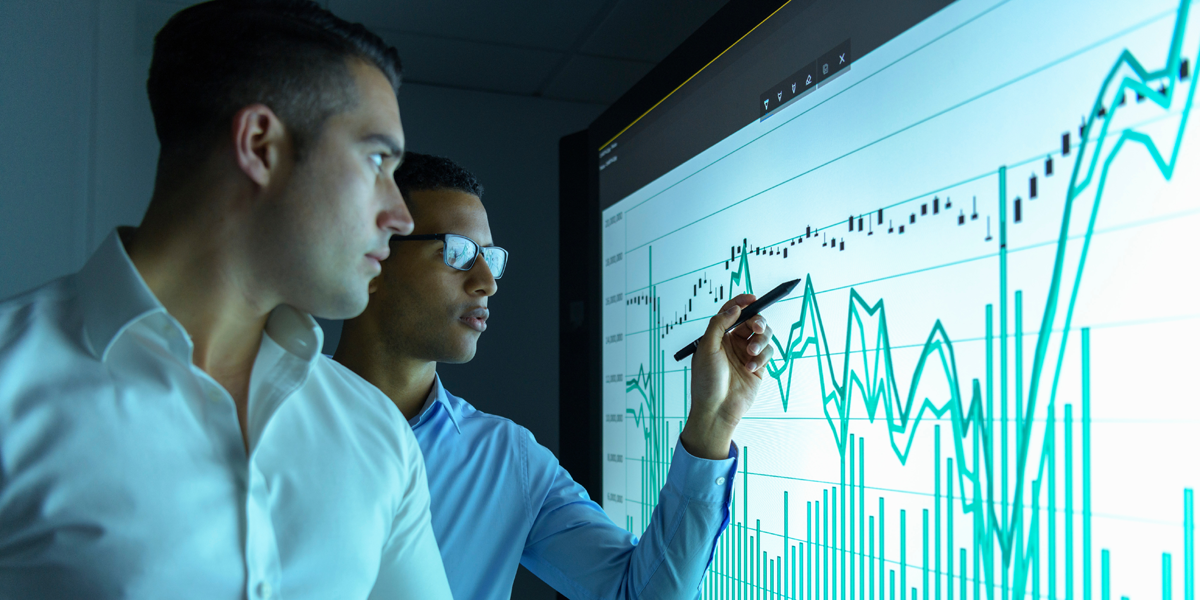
<point x="335" y="307"/>
<point x="460" y="356"/>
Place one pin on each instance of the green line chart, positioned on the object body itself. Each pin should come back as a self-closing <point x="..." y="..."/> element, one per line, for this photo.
<point x="1007" y="458"/>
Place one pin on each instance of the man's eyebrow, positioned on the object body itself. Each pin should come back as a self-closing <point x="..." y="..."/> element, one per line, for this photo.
<point x="390" y="142"/>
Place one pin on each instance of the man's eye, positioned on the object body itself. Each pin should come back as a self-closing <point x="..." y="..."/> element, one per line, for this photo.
<point x="377" y="160"/>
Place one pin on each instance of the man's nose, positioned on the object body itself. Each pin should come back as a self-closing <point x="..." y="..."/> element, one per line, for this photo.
<point x="396" y="217"/>
<point x="481" y="281"/>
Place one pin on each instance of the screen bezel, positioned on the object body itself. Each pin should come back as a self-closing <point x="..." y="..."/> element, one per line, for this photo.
<point x="580" y="340"/>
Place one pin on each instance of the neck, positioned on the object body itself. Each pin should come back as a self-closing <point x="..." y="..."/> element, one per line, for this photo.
<point x="191" y="263"/>
<point x="404" y="379"/>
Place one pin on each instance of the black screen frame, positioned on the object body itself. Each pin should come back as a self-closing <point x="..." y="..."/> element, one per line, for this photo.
<point x="580" y="379"/>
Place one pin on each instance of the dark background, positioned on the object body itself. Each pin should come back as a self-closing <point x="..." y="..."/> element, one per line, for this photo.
<point x="493" y="85"/>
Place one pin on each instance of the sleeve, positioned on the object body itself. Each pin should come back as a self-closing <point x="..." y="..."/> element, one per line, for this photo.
<point x="411" y="566"/>
<point x="577" y="549"/>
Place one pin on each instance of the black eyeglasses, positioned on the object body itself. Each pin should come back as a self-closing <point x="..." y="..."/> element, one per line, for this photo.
<point x="459" y="251"/>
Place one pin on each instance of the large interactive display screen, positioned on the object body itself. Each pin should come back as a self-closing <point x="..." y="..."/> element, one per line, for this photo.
<point x="985" y="385"/>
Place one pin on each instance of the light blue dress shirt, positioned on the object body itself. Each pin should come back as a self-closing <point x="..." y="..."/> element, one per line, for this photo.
<point x="125" y="474"/>
<point x="499" y="498"/>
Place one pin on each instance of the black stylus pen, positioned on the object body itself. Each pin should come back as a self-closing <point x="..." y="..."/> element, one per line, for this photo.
<point x="748" y="313"/>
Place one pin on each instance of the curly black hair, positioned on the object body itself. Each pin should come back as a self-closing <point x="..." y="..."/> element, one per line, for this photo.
<point x="424" y="172"/>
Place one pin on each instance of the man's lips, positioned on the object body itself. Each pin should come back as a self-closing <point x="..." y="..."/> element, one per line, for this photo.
<point x="378" y="256"/>
<point x="475" y="319"/>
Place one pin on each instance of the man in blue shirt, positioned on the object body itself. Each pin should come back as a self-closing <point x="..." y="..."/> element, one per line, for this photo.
<point x="499" y="498"/>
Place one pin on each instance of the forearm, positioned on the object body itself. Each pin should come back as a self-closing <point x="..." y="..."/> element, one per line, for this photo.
<point x="578" y="550"/>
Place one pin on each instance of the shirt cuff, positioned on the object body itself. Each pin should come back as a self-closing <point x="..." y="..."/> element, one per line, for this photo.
<point x="703" y="479"/>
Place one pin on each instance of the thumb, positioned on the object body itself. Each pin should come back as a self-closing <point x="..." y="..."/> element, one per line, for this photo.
<point x="710" y="342"/>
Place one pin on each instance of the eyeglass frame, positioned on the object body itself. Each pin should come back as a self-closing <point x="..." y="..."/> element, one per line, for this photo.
<point x="441" y="237"/>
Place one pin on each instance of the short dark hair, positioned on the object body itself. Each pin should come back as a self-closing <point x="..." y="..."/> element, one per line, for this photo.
<point x="424" y="172"/>
<point x="213" y="59"/>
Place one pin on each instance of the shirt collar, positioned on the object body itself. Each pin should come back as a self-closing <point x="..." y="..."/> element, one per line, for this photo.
<point x="437" y="395"/>
<point x="113" y="294"/>
<point x="115" y="297"/>
<point x="296" y="331"/>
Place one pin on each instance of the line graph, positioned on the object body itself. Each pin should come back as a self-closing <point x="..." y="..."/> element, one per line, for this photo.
<point x="1016" y="478"/>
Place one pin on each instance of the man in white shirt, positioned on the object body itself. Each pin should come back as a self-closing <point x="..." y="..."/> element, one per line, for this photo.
<point x="168" y="426"/>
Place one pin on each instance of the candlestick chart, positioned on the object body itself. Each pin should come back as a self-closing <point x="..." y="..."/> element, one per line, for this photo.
<point x="982" y="390"/>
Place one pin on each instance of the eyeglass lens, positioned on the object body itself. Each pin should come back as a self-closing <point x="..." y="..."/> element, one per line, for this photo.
<point x="462" y="251"/>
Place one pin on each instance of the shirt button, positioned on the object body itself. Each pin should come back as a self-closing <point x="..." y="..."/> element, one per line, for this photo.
<point x="720" y="481"/>
<point x="264" y="590"/>
<point x="214" y="395"/>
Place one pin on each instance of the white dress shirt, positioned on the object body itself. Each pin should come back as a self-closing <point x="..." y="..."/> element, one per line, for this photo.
<point x="123" y="472"/>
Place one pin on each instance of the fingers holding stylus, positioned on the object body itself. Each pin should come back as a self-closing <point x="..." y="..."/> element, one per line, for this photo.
<point x="751" y="341"/>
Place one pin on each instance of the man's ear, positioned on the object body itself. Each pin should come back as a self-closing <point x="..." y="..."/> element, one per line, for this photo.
<point x="260" y="142"/>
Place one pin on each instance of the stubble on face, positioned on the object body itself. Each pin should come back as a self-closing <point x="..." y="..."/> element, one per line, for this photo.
<point x="325" y="221"/>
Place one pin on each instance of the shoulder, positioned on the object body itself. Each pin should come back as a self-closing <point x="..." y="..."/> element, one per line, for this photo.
<point x="499" y="430"/>
<point x="41" y="333"/>
<point x="30" y="313"/>
<point x="363" y="403"/>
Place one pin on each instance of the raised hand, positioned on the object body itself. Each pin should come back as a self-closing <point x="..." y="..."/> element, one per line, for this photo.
<point x="726" y="373"/>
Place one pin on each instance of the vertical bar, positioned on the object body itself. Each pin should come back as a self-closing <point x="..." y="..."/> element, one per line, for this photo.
<point x="903" y="553"/>
<point x="1003" y="226"/>
<point x="950" y="529"/>
<point x="744" y="563"/>
<point x="1104" y="587"/>
<point x="1018" y="369"/>
<point x="893" y="584"/>
<point x="1052" y="492"/>
<point x="862" y="509"/>
<point x="872" y="561"/>
<point x="881" y="548"/>
<point x="759" y="567"/>
<point x="1069" y="503"/>
<point x="1086" y="424"/>
<point x="925" y="553"/>
<point x="937" y="513"/>
<point x="962" y="577"/>
<point x="850" y="523"/>
<point x="1189" y="546"/>
<point x="809" y="595"/>
<point x="990" y="450"/>
<point x="825" y="547"/>
<point x="1166" y="576"/>
<point x="783" y="557"/>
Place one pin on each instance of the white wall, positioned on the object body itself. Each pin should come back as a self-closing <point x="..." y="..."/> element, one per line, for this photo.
<point x="77" y="157"/>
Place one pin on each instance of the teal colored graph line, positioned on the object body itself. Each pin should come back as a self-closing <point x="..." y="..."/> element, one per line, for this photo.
<point x="871" y="373"/>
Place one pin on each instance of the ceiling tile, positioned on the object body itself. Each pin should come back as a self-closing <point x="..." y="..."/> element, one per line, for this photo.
<point x="473" y="65"/>
<point x="649" y="31"/>
<point x="550" y="24"/>
<point x="595" y="79"/>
